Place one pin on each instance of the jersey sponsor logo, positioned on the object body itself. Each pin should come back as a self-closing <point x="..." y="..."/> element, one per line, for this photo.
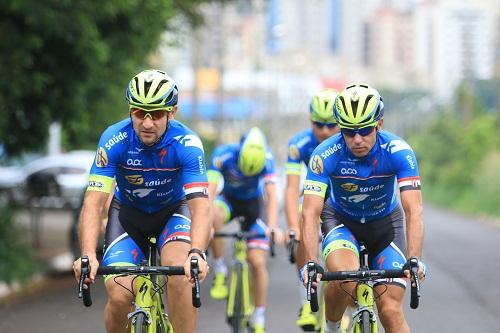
<point x="382" y="205"/>
<point x="331" y="150"/>
<point x="312" y="188"/>
<point x="135" y="179"/>
<point x="182" y="226"/>
<point x="293" y="152"/>
<point x="316" y="165"/>
<point x="101" y="159"/>
<point x="95" y="184"/>
<point x="164" y="194"/>
<point x="356" y="198"/>
<point x="157" y="182"/>
<point x="217" y="163"/>
<point x="348" y="171"/>
<point x="140" y="192"/>
<point x="396" y="145"/>
<point x="191" y="140"/>
<point x="371" y="188"/>
<point x="411" y="162"/>
<point x="115" y="139"/>
<point x="134" y="162"/>
<point x="163" y="152"/>
<point x="349" y="187"/>
<point x="201" y="165"/>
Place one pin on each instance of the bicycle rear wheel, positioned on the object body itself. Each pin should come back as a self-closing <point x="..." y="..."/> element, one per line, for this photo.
<point x="140" y="324"/>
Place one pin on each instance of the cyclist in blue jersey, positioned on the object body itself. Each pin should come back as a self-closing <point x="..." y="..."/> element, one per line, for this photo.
<point x="357" y="173"/>
<point x="161" y="190"/>
<point x="248" y="173"/>
<point x="300" y="147"/>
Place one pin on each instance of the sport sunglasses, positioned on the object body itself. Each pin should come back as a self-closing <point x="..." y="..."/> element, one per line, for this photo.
<point x="319" y="124"/>
<point x="153" y="114"/>
<point x="350" y="132"/>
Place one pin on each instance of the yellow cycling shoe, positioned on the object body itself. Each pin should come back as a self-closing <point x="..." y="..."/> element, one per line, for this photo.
<point x="219" y="288"/>
<point x="307" y="320"/>
<point x="257" y="328"/>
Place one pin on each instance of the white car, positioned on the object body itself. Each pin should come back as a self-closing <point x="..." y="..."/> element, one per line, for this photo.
<point x="62" y="176"/>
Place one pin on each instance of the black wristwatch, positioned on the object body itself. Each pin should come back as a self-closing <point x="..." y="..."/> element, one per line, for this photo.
<point x="198" y="252"/>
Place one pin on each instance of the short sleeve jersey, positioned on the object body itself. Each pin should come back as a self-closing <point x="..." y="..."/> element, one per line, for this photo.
<point x="300" y="148"/>
<point x="149" y="177"/>
<point x="362" y="189"/>
<point x="224" y="163"/>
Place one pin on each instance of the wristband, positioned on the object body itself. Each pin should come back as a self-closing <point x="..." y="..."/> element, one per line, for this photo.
<point x="198" y="252"/>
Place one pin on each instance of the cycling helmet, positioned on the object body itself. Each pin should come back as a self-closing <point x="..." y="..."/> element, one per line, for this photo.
<point x="358" y="106"/>
<point x="321" y="107"/>
<point x="152" y="90"/>
<point x="252" y="156"/>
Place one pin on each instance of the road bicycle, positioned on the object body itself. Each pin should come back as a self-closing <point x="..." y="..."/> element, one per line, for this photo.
<point x="149" y="315"/>
<point x="239" y="305"/>
<point x="364" y="318"/>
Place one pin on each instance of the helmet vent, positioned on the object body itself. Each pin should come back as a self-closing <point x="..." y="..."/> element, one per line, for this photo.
<point x="367" y="100"/>
<point x="160" y="84"/>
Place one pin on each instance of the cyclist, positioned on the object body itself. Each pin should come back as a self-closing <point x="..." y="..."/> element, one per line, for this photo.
<point x="357" y="173"/>
<point x="300" y="147"/>
<point x="161" y="190"/>
<point x="247" y="170"/>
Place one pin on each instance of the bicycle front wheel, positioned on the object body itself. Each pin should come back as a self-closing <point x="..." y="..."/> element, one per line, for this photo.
<point x="235" y="320"/>
<point x="140" y="323"/>
<point x="365" y="322"/>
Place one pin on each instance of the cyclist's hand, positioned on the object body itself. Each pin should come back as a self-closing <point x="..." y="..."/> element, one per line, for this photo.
<point x="278" y="235"/>
<point x="422" y="269"/>
<point x="203" y="268"/>
<point x="296" y="232"/>
<point x="304" y="277"/>
<point x="77" y="267"/>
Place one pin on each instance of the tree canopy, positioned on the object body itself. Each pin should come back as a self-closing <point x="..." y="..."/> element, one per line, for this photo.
<point x="69" y="61"/>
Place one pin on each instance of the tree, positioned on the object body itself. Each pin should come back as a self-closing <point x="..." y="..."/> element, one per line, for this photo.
<point x="69" y="61"/>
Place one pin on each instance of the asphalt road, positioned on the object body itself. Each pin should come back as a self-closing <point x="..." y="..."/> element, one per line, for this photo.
<point x="461" y="293"/>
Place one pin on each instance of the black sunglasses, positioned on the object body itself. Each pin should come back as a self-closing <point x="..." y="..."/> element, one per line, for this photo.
<point x="319" y="124"/>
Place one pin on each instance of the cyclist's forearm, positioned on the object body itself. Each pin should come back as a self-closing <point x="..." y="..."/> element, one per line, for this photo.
<point x="414" y="235"/>
<point x="201" y="224"/>
<point x="90" y="221"/>
<point x="292" y="208"/>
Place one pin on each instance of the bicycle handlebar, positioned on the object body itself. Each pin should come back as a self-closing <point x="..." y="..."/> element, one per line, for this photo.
<point x="292" y="246"/>
<point x="364" y="275"/>
<point x="84" y="293"/>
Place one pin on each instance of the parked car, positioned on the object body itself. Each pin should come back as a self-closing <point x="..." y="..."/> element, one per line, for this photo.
<point x="62" y="177"/>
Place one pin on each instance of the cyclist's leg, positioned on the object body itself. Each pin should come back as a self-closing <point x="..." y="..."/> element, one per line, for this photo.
<point x="390" y="303"/>
<point x="122" y="250"/>
<point x="221" y="215"/>
<point x="340" y="252"/>
<point x="257" y="252"/>
<point x="174" y="242"/>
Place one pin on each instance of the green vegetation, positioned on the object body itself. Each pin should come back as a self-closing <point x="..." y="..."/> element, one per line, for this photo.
<point x="17" y="262"/>
<point x="459" y="155"/>
<point x="70" y="61"/>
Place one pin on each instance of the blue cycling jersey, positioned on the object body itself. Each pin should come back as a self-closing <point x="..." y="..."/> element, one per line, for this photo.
<point x="149" y="177"/>
<point x="362" y="189"/>
<point x="300" y="148"/>
<point x="224" y="162"/>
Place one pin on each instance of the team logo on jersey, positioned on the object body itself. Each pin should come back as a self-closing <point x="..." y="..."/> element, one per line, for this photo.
<point x="101" y="159"/>
<point x="190" y="140"/>
<point x="349" y="187"/>
<point x="316" y="165"/>
<point x="293" y="152"/>
<point x="162" y="154"/>
<point x="135" y="179"/>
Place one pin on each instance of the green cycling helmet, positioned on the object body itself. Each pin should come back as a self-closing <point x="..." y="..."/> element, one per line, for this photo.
<point x="321" y="107"/>
<point x="252" y="156"/>
<point x="152" y="90"/>
<point x="358" y="106"/>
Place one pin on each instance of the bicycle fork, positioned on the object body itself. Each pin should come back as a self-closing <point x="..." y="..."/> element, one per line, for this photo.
<point x="366" y="304"/>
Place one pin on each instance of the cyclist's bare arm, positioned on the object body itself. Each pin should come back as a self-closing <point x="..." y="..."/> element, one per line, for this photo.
<point x="89" y="228"/>
<point x="272" y="210"/>
<point x="201" y="226"/>
<point x="311" y="211"/>
<point x="411" y="200"/>
<point x="292" y="193"/>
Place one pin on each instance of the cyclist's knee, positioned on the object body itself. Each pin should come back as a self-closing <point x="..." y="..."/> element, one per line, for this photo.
<point x="342" y="260"/>
<point x="118" y="297"/>
<point x="391" y="314"/>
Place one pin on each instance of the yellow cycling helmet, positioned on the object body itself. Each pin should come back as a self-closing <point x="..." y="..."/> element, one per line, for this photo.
<point x="358" y="106"/>
<point x="252" y="156"/>
<point x="152" y="89"/>
<point x="321" y="107"/>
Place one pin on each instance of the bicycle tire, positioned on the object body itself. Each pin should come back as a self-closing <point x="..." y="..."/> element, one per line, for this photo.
<point x="237" y="318"/>
<point x="140" y="324"/>
<point x="365" y="322"/>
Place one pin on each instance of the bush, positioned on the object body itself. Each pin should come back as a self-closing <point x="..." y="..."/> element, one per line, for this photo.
<point x="17" y="262"/>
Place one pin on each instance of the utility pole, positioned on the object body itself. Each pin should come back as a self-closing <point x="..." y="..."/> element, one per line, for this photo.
<point x="220" y="52"/>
